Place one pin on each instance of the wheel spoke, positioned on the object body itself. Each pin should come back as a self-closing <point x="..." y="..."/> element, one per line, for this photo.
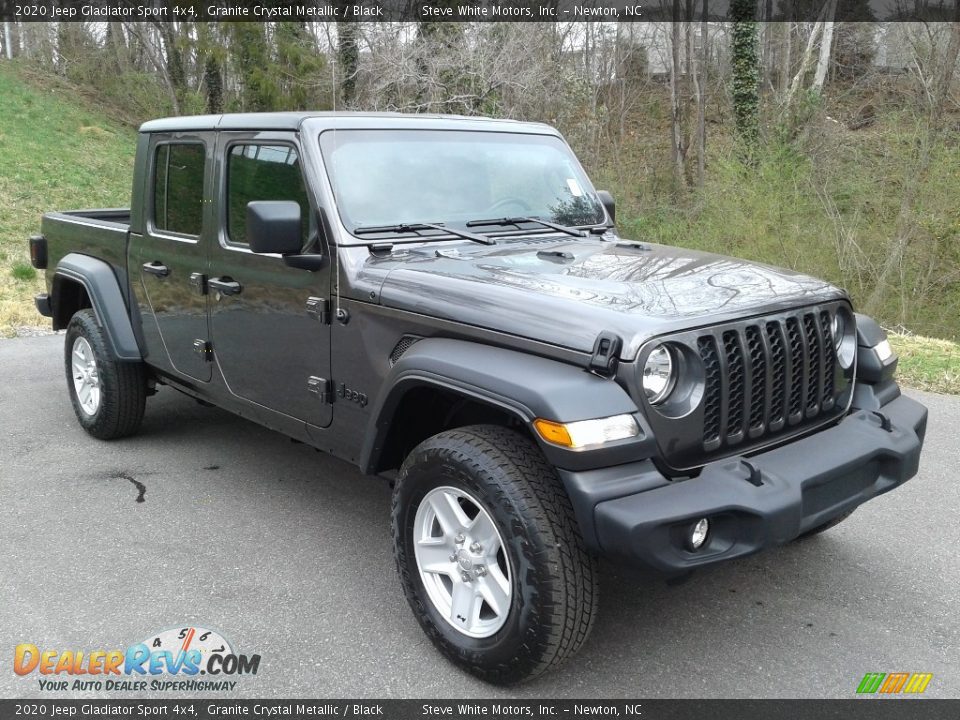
<point x="496" y="595"/>
<point x="434" y="556"/>
<point x="84" y="394"/>
<point x="463" y="605"/>
<point x="79" y="357"/>
<point x="466" y="583"/>
<point x="483" y="531"/>
<point x="449" y="514"/>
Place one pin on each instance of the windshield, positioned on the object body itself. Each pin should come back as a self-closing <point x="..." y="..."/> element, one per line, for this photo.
<point x="391" y="177"/>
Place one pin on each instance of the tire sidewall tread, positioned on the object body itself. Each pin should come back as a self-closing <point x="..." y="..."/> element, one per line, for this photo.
<point x="554" y="578"/>
<point x="123" y="386"/>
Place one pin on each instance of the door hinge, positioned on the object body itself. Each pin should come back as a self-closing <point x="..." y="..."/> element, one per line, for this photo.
<point x="319" y="308"/>
<point x="204" y="349"/>
<point x="199" y="282"/>
<point x="605" y="357"/>
<point x="321" y="388"/>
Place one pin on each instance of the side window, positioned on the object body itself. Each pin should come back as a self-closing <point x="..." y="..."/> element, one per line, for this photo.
<point x="262" y="172"/>
<point x="178" y="188"/>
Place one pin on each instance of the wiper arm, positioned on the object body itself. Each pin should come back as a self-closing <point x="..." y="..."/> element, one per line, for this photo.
<point x="575" y="232"/>
<point x="417" y="227"/>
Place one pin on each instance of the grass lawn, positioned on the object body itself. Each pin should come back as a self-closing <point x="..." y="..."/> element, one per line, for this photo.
<point x="56" y="153"/>
<point x="928" y="363"/>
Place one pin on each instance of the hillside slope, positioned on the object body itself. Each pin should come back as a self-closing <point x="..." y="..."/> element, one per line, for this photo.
<point x="57" y="152"/>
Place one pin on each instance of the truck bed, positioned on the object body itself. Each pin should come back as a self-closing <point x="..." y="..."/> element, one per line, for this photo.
<point x="106" y="216"/>
<point x="100" y="232"/>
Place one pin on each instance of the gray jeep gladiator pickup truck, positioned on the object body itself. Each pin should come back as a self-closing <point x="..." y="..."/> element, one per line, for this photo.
<point x="446" y="302"/>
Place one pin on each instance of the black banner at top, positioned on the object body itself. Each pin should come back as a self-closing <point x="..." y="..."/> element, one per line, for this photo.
<point x="478" y="10"/>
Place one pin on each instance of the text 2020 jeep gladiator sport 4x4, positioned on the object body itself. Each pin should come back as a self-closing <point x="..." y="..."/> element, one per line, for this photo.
<point x="445" y="301"/>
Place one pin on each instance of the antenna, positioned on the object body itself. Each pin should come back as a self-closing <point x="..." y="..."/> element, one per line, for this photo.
<point x="335" y="88"/>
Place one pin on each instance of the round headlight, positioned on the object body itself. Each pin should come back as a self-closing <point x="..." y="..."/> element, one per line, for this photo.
<point x="658" y="375"/>
<point x="844" y="333"/>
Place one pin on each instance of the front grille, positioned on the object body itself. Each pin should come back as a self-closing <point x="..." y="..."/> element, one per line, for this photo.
<point x="763" y="378"/>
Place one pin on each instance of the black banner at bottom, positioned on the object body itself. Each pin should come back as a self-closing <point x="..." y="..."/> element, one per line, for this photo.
<point x="873" y="708"/>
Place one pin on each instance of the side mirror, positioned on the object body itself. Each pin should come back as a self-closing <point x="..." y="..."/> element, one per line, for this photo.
<point x="273" y="226"/>
<point x="609" y="204"/>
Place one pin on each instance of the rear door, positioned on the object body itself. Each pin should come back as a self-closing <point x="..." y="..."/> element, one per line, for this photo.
<point x="270" y="333"/>
<point x="170" y="257"/>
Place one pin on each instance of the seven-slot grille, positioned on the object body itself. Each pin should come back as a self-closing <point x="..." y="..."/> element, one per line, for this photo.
<point x="765" y="375"/>
<point x="747" y="384"/>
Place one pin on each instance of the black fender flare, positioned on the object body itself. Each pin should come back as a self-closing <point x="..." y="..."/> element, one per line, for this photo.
<point x="106" y="297"/>
<point x="524" y="385"/>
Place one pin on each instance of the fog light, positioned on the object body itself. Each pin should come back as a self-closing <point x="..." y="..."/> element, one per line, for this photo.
<point x="698" y="536"/>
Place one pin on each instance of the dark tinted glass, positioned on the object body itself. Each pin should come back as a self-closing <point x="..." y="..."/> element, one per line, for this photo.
<point x="262" y="172"/>
<point x="178" y="188"/>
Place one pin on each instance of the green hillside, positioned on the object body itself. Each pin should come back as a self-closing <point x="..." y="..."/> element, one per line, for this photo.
<point x="57" y="152"/>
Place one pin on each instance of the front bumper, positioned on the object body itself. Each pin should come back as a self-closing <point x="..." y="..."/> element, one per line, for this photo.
<point x="634" y="512"/>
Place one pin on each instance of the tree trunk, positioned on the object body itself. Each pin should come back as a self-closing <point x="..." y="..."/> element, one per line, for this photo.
<point x="348" y="59"/>
<point x="676" y="129"/>
<point x="805" y="61"/>
<point x="786" y="57"/>
<point x="7" y="40"/>
<point x="826" y="46"/>
<point x="700" y="77"/>
<point x="173" y="55"/>
<point x="746" y="97"/>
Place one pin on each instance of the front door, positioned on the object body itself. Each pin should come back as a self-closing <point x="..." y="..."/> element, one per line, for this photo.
<point x="171" y="255"/>
<point x="271" y="336"/>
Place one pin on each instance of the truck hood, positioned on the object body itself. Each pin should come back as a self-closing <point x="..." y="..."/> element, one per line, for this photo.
<point x="564" y="292"/>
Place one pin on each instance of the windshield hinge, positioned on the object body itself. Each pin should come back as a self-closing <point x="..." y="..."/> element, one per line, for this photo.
<point x="319" y="308"/>
<point x="606" y="354"/>
<point x="321" y="387"/>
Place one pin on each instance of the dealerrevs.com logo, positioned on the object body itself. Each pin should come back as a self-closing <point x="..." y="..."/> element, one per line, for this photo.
<point x="170" y="660"/>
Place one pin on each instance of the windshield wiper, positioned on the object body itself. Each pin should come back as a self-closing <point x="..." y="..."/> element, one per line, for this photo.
<point x="576" y="232"/>
<point x="417" y="227"/>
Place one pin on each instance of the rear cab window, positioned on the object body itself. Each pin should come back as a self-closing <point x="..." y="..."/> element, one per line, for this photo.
<point x="178" y="173"/>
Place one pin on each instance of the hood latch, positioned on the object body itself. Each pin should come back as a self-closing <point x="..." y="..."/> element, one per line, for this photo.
<point x="606" y="354"/>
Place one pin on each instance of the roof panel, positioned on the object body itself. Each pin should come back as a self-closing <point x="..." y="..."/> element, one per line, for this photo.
<point x="328" y="120"/>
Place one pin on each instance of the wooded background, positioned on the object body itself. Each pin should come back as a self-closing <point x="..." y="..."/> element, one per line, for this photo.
<point x="831" y="147"/>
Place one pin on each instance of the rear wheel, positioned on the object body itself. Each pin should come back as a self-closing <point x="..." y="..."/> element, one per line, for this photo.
<point x="489" y="554"/>
<point x="108" y="395"/>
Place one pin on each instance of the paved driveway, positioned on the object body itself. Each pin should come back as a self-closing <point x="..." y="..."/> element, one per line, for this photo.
<point x="287" y="552"/>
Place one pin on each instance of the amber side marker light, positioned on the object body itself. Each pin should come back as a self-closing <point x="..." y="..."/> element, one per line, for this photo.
<point x="587" y="433"/>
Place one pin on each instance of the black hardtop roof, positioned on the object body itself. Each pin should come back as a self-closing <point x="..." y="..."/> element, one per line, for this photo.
<point x="338" y="120"/>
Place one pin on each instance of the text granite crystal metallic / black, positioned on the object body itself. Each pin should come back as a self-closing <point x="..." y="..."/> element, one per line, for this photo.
<point x="446" y="302"/>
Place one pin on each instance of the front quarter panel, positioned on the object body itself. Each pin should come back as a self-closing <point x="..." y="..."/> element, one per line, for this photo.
<point x="526" y="386"/>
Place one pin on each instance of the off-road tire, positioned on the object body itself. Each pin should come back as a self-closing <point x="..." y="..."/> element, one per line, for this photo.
<point x="123" y="385"/>
<point x="826" y="526"/>
<point x="554" y="593"/>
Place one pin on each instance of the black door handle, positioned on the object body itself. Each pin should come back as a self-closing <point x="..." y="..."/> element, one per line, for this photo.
<point x="156" y="268"/>
<point x="224" y="285"/>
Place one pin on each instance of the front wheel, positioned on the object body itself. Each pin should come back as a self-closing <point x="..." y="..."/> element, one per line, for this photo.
<point x="108" y="395"/>
<point x="489" y="554"/>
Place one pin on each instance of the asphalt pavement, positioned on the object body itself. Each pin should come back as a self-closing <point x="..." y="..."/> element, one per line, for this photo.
<point x="287" y="553"/>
